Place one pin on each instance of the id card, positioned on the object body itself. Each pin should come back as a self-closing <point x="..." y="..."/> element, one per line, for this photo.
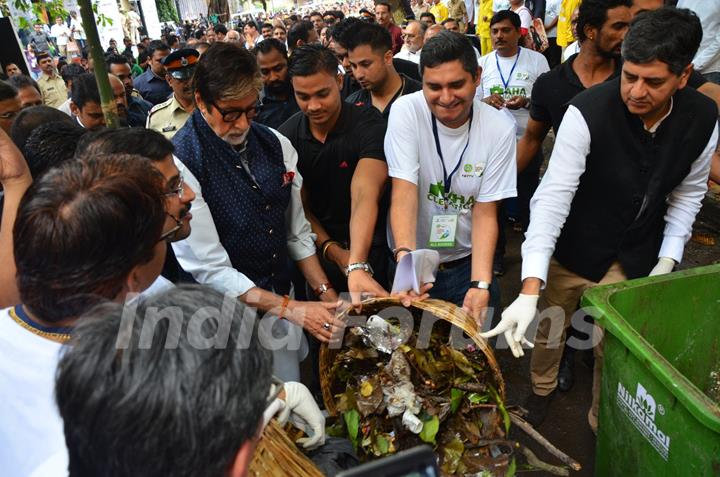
<point x="442" y="231"/>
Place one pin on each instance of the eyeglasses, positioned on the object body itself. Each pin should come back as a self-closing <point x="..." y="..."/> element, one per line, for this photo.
<point x="178" y="190"/>
<point x="232" y="115"/>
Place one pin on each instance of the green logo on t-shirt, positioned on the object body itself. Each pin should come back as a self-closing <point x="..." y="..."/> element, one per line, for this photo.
<point x="509" y="92"/>
<point x="468" y="167"/>
<point x="436" y="194"/>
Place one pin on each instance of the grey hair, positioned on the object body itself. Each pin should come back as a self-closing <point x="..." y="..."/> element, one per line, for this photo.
<point x="163" y="406"/>
<point x="670" y="35"/>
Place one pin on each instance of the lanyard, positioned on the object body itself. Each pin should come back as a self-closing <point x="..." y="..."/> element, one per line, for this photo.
<point x="502" y="78"/>
<point x="447" y="179"/>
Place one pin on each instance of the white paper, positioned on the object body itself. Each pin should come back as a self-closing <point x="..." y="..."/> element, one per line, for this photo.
<point x="415" y="269"/>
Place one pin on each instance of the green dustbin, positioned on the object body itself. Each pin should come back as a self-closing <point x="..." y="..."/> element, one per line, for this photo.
<point x="662" y="355"/>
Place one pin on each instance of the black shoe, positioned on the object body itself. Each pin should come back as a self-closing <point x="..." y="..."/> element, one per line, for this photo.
<point x="566" y="374"/>
<point x="537" y="408"/>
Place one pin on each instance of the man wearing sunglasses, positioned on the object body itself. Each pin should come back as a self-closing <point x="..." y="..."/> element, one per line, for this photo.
<point x="168" y="117"/>
<point x="248" y="214"/>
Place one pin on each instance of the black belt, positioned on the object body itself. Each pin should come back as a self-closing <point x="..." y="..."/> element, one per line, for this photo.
<point x="454" y="263"/>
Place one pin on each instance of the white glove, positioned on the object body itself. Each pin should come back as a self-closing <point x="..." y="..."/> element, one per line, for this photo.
<point x="664" y="265"/>
<point x="302" y="411"/>
<point x="274" y="407"/>
<point x="515" y="321"/>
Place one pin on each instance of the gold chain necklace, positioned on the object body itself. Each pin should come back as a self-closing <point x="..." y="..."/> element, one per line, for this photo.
<point x="50" y="335"/>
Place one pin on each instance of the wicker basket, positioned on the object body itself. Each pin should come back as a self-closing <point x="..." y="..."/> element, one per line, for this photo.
<point x="278" y="456"/>
<point x="441" y="309"/>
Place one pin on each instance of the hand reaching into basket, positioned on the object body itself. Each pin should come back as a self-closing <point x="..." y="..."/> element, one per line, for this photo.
<point x="303" y="413"/>
<point x="408" y="296"/>
<point x="515" y="321"/>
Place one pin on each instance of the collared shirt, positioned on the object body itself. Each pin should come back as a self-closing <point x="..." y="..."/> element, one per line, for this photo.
<point x="363" y="97"/>
<point x="61" y="33"/>
<point x="40" y="40"/>
<point x="552" y="201"/>
<point x="407" y="55"/>
<point x="328" y="167"/>
<point x="153" y="88"/>
<point x="53" y="90"/>
<point x="167" y="118"/>
<point x="274" y="111"/>
<point x="202" y="254"/>
<point x="457" y="10"/>
<point x="553" y="91"/>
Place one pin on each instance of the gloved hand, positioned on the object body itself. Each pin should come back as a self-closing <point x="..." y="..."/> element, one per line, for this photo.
<point x="515" y="321"/>
<point x="302" y="411"/>
<point x="664" y="265"/>
<point x="276" y="406"/>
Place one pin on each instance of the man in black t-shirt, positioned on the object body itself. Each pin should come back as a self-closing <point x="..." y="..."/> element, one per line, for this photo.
<point x="371" y="59"/>
<point x="341" y="160"/>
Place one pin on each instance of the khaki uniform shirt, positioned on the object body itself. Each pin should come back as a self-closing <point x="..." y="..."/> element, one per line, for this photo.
<point x="53" y="90"/>
<point x="457" y="10"/>
<point x="167" y="118"/>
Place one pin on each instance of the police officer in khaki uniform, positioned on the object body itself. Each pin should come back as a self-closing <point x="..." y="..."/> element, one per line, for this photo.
<point x="52" y="87"/>
<point x="168" y="117"/>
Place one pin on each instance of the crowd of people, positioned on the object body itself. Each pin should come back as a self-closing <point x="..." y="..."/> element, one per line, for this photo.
<point x="268" y="175"/>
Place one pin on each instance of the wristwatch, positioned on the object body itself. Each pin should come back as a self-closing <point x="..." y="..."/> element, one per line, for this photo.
<point x="359" y="266"/>
<point x="480" y="284"/>
<point x="322" y="289"/>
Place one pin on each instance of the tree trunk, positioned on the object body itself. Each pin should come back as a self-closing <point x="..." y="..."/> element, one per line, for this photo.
<point x="107" y="101"/>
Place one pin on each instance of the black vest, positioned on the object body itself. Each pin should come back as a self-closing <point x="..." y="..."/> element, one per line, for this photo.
<point x="619" y="208"/>
<point x="250" y="220"/>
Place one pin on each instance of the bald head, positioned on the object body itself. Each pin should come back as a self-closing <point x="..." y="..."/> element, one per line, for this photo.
<point x="432" y="31"/>
<point x="413" y="35"/>
<point x="233" y="36"/>
<point x="118" y="89"/>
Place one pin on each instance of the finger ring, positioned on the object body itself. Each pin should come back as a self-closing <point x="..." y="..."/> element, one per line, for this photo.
<point x="326" y="326"/>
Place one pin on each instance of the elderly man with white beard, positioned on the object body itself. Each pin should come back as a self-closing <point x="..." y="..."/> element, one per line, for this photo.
<point x="248" y="208"/>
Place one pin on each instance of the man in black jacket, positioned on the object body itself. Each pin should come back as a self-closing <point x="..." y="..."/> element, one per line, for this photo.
<point x="625" y="182"/>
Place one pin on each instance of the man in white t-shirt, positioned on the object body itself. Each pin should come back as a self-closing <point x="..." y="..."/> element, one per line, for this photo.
<point x="508" y="75"/>
<point x="451" y="159"/>
<point x="61" y="33"/>
<point x="78" y="240"/>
